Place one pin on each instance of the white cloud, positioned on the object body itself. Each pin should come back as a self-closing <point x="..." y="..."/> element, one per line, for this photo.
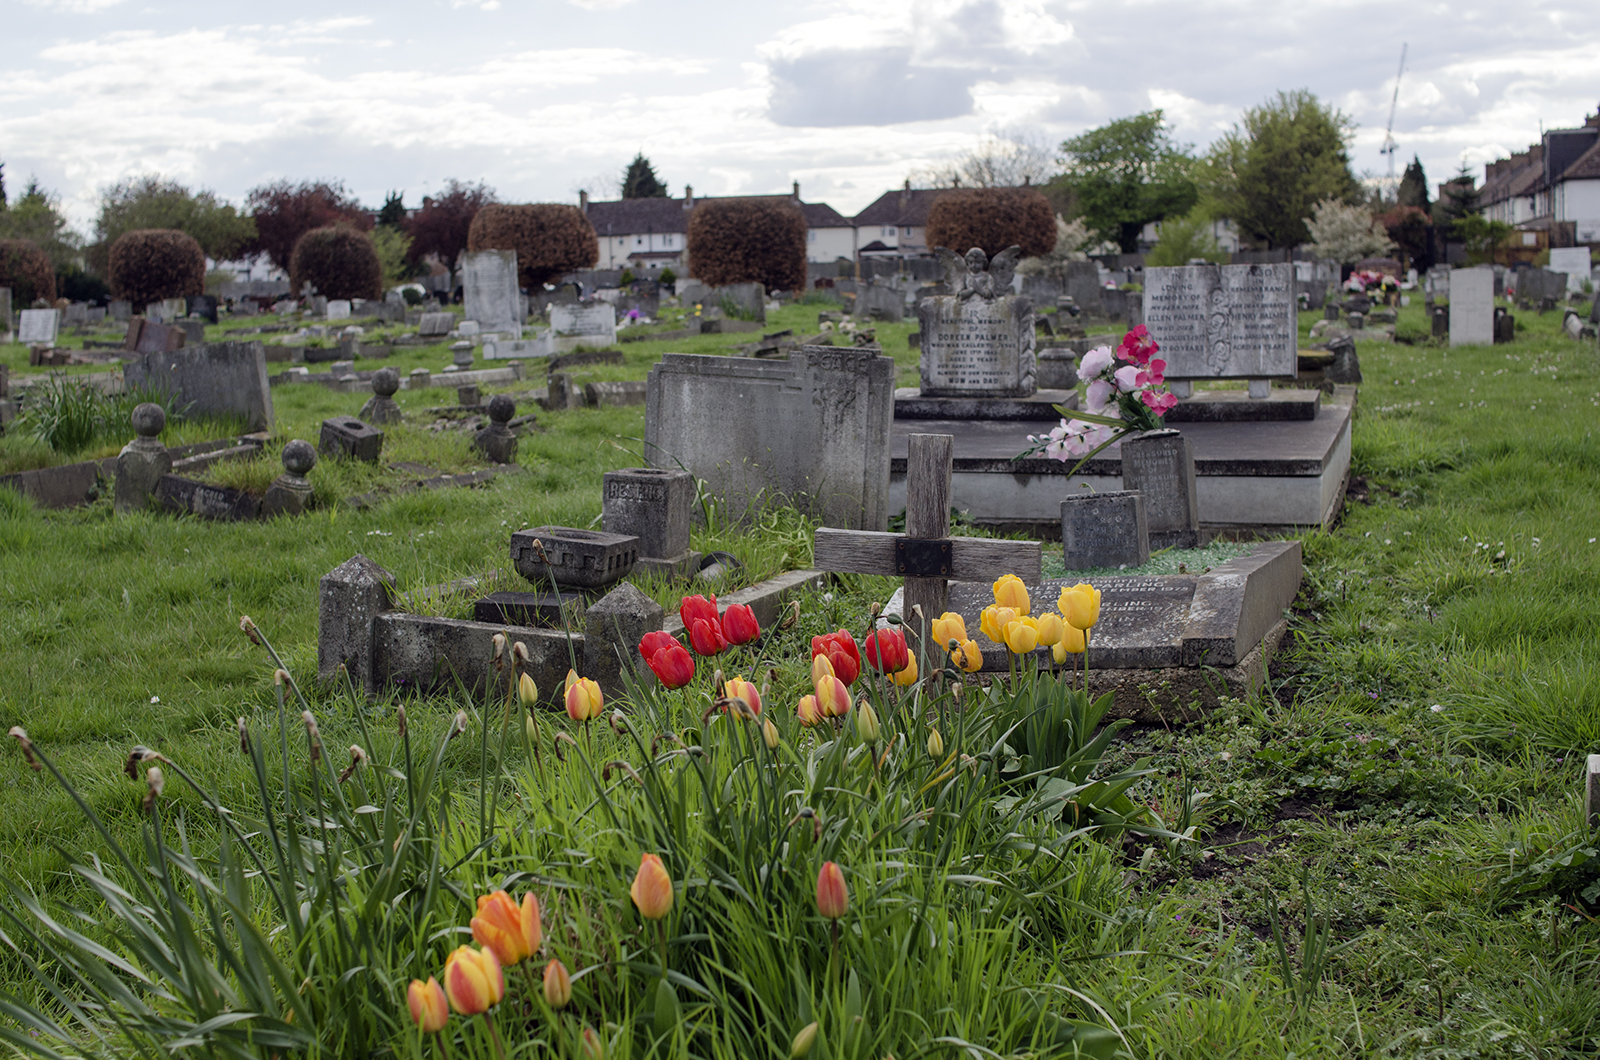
<point x="75" y="7"/>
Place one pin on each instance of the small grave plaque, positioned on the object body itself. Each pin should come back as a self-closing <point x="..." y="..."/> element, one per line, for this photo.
<point x="1104" y="530"/>
<point x="652" y="504"/>
<point x="38" y="327"/>
<point x="592" y="325"/>
<point x="1223" y="321"/>
<point x="1160" y="465"/>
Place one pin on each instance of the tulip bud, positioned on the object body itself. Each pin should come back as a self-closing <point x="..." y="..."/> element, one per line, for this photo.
<point x="803" y="1041"/>
<point x="473" y="980"/>
<point x="769" y="733"/>
<point x="429" y="1008"/>
<point x="499" y="646"/>
<point x="156" y="781"/>
<point x="519" y="652"/>
<point x="557" y="985"/>
<point x="833" y="898"/>
<point x="809" y="712"/>
<point x="867" y="725"/>
<point x="652" y="888"/>
<point x="527" y="691"/>
<point x="593" y="1047"/>
<point x="935" y="744"/>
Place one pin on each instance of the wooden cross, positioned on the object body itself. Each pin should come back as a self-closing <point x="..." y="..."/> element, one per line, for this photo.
<point x="926" y="555"/>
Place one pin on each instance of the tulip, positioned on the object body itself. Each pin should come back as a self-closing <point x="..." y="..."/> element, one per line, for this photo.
<point x="1051" y="628"/>
<point x="809" y="712"/>
<point x="557" y="985"/>
<point x="739" y="625"/>
<point x="527" y="691"/>
<point x="842" y="653"/>
<point x="654" y="641"/>
<point x="769" y="734"/>
<point x="887" y="651"/>
<point x="969" y="657"/>
<point x="1080" y="604"/>
<point x="739" y="688"/>
<point x="698" y="609"/>
<point x="935" y="744"/>
<point x="652" y="888"/>
<point x="706" y="638"/>
<point x="672" y="665"/>
<point x="1010" y="592"/>
<point x="514" y="933"/>
<point x="833" y="898"/>
<point x="801" y="1047"/>
<point x="867" y="724"/>
<point x="948" y="627"/>
<point x="1022" y="635"/>
<point x="593" y="1047"/>
<point x="429" y="1007"/>
<point x="820" y="668"/>
<point x="473" y="980"/>
<point x="584" y="702"/>
<point x="833" y="698"/>
<point x="995" y="619"/>
<point x="1071" y="643"/>
<point x="908" y="674"/>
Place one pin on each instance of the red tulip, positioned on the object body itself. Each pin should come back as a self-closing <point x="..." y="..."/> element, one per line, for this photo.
<point x="833" y="899"/>
<point x="886" y="650"/>
<point x="706" y="637"/>
<point x="739" y="624"/>
<point x="654" y="641"/>
<point x="842" y="653"/>
<point x="697" y="609"/>
<point x="672" y="665"/>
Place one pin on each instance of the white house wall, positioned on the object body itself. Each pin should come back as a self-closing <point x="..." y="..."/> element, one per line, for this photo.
<point x="1579" y="200"/>
<point x="830" y="244"/>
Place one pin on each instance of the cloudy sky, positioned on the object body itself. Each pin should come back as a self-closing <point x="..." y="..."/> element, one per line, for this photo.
<point x="540" y="97"/>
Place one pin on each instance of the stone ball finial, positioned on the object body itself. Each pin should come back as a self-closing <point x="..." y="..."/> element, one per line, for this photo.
<point x="149" y="419"/>
<point x="299" y="457"/>
<point x="385" y="381"/>
<point x="502" y="408"/>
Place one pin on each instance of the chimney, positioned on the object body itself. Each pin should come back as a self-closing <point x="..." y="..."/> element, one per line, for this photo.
<point x="688" y="196"/>
<point x="797" y="191"/>
<point x="905" y="194"/>
<point x="583" y="201"/>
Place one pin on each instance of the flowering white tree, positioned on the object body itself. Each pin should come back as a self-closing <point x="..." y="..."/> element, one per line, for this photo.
<point x="1346" y="233"/>
<point x="1071" y="239"/>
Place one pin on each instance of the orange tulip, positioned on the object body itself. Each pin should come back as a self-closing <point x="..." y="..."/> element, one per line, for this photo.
<point x="652" y="888"/>
<point x="808" y="712"/>
<point x="833" y="898"/>
<point x="739" y="688"/>
<point x="593" y="1047"/>
<point x="513" y="933"/>
<point x="429" y="1007"/>
<point x="557" y="985"/>
<point x="833" y="698"/>
<point x="584" y="701"/>
<point x="473" y="980"/>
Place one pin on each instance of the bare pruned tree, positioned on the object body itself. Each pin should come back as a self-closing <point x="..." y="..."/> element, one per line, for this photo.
<point x="1001" y="159"/>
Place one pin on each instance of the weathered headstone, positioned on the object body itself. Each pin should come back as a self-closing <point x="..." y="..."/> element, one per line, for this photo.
<point x="1471" y="307"/>
<point x="150" y="336"/>
<point x="382" y="409"/>
<point x="37" y="327"/>
<point x="121" y="311"/>
<point x="1083" y="286"/>
<point x="812" y="431"/>
<point x="436" y="325"/>
<point x="1105" y="530"/>
<point x="491" y="296"/>
<point x="203" y="306"/>
<point x="579" y="559"/>
<point x="1346" y="366"/>
<point x="75" y="315"/>
<point x="339" y="309"/>
<point x="1160" y="465"/>
<point x="497" y="442"/>
<point x="880" y="302"/>
<point x="1223" y="321"/>
<point x="654" y="505"/>
<point x="590" y="325"/>
<point x="219" y="378"/>
<point x="978" y="341"/>
<point x="291" y="492"/>
<point x="194" y="331"/>
<point x="345" y="438"/>
<point x="613" y="627"/>
<point x="350" y="597"/>
<point x="1575" y="262"/>
<point x="142" y="461"/>
<point x="5" y="314"/>
<point x="186" y="496"/>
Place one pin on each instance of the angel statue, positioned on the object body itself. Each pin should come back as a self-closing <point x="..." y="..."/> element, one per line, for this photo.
<point x="978" y="275"/>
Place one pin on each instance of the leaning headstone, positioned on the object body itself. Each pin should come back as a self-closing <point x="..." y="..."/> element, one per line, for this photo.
<point x="496" y="442"/>
<point x="350" y="597"/>
<point x="1346" y="366"/>
<point x="1223" y="321"/>
<point x="1104" y="530"/>
<point x="591" y="325"/>
<point x="1160" y="465"/>
<point x="219" y="378"/>
<point x="491" y="295"/>
<point x="142" y="461"/>
<point x="812" y="431"/>
<point x="436" y="325"/>
<point x="37" y="327"/>
<point x="653" y="504"/>
<point x="1575" y="262"/>
<point x="1084" y="287"/>
<point x="613" y="626"/>
<point x="150" y="336"/>
<point x="1471" y="307"/>
<point x="978" y="341"/>
<point x="344" y="438"/>
<point x="1572" y="324"/>
<point x="339" y="309"/>
<point x="381" y="409"/>
<point x="291" y="492"/>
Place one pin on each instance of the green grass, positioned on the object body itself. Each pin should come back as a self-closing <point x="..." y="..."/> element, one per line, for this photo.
<point x="1414" y="767"/>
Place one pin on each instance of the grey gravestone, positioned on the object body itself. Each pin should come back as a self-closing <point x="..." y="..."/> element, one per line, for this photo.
<point x="496" y="441"/>
<point x="744" y="300"/>
<point x="469" y="395"/>
<point x="38" y="327"/>
<point x="220" y="378"/>
<point x="578" y="559"/>
<point x="977" y="341"/>
<point x="652" y="504"/>
<point x="1346" y="366"/>
<point x="150" y="336"/>
<point x="1441" y="322"/>
<point x="96" y="314"/>
<point x="142" y="461"/>
<point x="381" y="409"/>
<point x="75" y="315"/>
<point x="203" y="306"/>
<point x="339" y="309"/>
<point x="5" y="314"/>
<point x="1084" y="288"/>
<point x="491" y="295"/>
<point x="1505" y="326"/>
<point x="1472" y="307"/>
<point x="1572" y="324"/>
<point x="121" y="311"/>
<point x="188" y="497"/>
<point x="350" y="439"/>
<point x="812" y="431"/>
<point x="291" y="492"/>
<point x="1223" y="321"/>
<point x="1057" y="368"/>
<point x="1104" y="530"/>
<point x="194" y="331"/>
<point x="880" y="302"/>
<point x="436" y="324"/>
<point x="1160" y="465"/>
<point x="590" y="325"/>
<point x="613" y="626"/>
<point x="1575" y="262"/>
<point x="615" y="393"/>
<point x="350" y="597"/>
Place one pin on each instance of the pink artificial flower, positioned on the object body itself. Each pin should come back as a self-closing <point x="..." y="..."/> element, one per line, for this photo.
<point x="1101" y="395"/>
<point x="1127" y="378"/>
<point x="1158" y="401"/>
<point x="1137" y="347"/>
<point x="1154" y="375"/>
<point x="1094" y="362"/>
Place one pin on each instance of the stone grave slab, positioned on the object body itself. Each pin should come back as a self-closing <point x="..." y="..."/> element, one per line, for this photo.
<point x="1105" y="530"/>
<point x="188" y="497"/>
<point x="491" y="295"/>
<point x="586" y="325"/>
<point x="436" y="325"/>
<point x="1223" y="321"/>
<point x="37" y="327"/>
<point x="1160" y="466"/>
<point x="1472" y="307"/>
<point x="223" y="378"/>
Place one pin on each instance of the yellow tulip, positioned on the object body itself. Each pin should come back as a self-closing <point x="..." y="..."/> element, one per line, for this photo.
<point x="583" y="698"/>
<point x="994" y="621"/>
<point x="1022" y="635"/>
<point x="1010" y="592"/>
<point x="1051" y="628"/>
<point x="1071" y="642"/>
<point x="527" y="691"/>
<point x="908" y="676"/>
<point x="935" y="744"/>
<point x="473" y="980"/>
<point x="1080" y="605"/>
<point x="557" y="985"/>
<point x="948" y="627"/>
<point x="652" y="888"/>
<point x="820" y="668"/>
<point x="867" y="724"/>
<point x="969" y="657"/>
<point x="428" y="1005"/>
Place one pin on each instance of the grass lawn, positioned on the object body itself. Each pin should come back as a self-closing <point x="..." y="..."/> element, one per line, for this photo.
<point x="1409" y="784"/>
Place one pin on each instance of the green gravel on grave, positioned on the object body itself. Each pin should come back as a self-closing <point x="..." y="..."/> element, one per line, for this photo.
<point x="1193" y="560"/>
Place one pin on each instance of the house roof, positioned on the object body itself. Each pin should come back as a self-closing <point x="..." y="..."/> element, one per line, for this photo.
<point x="905" y="207"/>
<point x="1587" y="167"/>
<point x="626" y="217"/>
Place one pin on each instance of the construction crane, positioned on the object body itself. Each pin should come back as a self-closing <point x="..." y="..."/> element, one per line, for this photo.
<point x="1388" y="147"/>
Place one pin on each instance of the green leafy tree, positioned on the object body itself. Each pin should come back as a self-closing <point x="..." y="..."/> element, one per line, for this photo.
<point x="1127" y="174"/>
<point x="394" y="252"/>
<point x="1458" y="198"/>
<point x="393" y="212"/>
<point x="1413" y="189"/>
<point x="2" y="185"/>
<point x="155" y="202"/>
<point x="37" y="217"/>
<point x="1481" y="235"/>
<point x="1185" y="238"/>
<point x="640" y="180"/>
<point x="1287" y="155"/>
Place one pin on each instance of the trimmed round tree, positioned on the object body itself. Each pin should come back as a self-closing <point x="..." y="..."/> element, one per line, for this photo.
<point x="26" y="270"/>
<point x="338" y="261"/>
<point x="551" y="239"/>
<point x="993" y="219"/>
<point x="748" y="241"/>
<point x="150" y="264"/>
